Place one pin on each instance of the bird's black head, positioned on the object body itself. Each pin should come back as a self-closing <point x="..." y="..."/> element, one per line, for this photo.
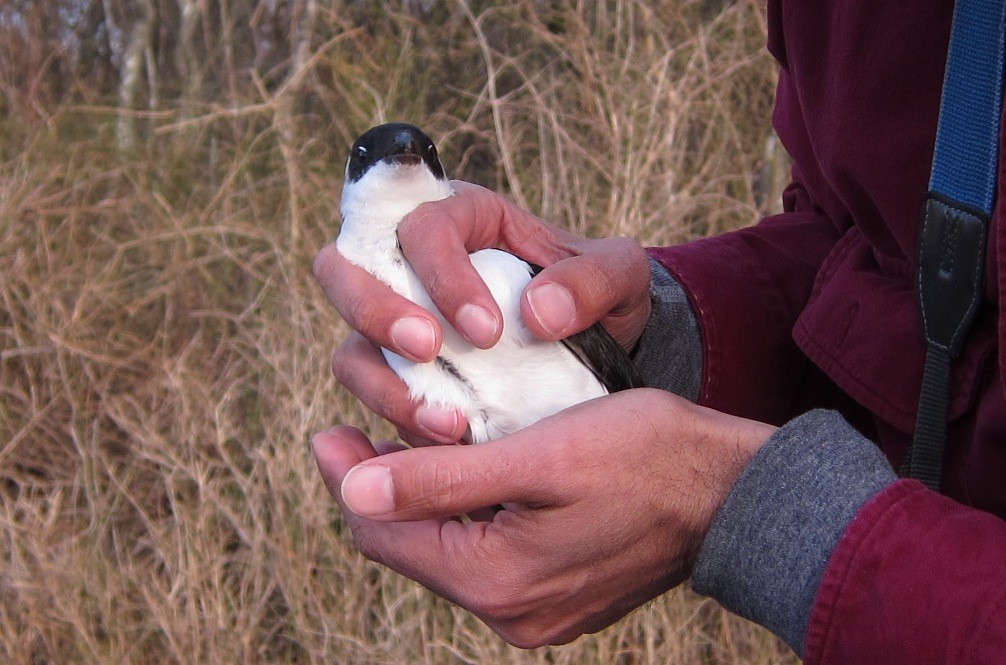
<point x="395" y="142"/>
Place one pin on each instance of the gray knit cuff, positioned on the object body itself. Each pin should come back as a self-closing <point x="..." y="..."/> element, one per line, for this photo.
<point x="769" y="544"/>
<point x="669" y="352"/>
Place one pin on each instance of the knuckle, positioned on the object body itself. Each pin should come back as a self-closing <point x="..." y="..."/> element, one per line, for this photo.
<point x="387" y="398"/>
<point x="436" y="484"/>
<point x="524" y="639"/>
<point x="439" y="282"/>
<point x="428" y="218"/>
<point x="338" y="364"/>
<point x="344" y="359"/>
<point x="506" y="603"/>
<point x="344" y="352"/>
<point x="629" y="256"/>
<point x="384" y="402"/>
<point x="499" y="606"/>
<point x="624" y="246"/>
<point x="361" y="314"/>
<point x="417" y="219"/>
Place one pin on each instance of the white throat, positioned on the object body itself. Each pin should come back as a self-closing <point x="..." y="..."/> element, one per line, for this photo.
<point x="372" y="208"/>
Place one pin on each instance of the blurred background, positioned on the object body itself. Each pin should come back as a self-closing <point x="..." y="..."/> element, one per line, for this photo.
<point x="168" y="168"/>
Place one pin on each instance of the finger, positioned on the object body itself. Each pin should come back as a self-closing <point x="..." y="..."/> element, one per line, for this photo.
<point x="609" y="282"/>
<point x="360" y="366"/>
<point x="531" y="467"/>
<point x="418" y="441"/>
<point x="383" y="448"/>
<point x="437" y="552"/>
<point x="442" y="481"/>
<point x="455" y="226"/>
<point x="336" y="451"/>
<point x="386" y="447"/>
<point x="371" y="307"/>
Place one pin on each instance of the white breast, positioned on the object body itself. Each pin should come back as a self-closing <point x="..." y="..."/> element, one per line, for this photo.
<point x="499" y="390"/>
<point x="515" y="383"/>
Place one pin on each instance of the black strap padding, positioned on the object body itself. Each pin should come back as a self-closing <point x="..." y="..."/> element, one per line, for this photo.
<point x="951" y="266"/>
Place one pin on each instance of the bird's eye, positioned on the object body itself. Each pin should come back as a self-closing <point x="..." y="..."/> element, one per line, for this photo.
<point x="432" y="150"/>
<point x="361" y="151"/>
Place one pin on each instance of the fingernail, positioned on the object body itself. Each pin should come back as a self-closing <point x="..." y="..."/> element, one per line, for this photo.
<point x="437" y="421"/>
<point x="318" y="439"/>
<point x="415" y="336"/>
<point x="368" y="490"/>
<point x="553" y="306"/>
<point x="477" y="324"/>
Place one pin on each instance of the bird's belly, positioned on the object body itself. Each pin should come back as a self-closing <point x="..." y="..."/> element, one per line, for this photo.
<point x="500" y="390"/>
<point x="513" y="384"/>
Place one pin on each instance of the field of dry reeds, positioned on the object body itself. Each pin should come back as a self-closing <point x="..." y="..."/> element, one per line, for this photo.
<point x="167" y="171"/>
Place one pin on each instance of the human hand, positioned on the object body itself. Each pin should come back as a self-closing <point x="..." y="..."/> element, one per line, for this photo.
<point x="606" y="505"/>
<point x="584" y="281"/>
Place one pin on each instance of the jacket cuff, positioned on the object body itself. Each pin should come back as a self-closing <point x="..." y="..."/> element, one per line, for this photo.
<point x="766" y="552"/>
<point x="669" y="352"/>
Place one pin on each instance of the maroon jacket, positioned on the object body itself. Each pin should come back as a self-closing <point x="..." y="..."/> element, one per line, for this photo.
<point x="817" y="307"/>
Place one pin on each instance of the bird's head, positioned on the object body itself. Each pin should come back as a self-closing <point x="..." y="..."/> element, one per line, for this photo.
<point x="392" y="146"/>
<point x="394" y="165"/>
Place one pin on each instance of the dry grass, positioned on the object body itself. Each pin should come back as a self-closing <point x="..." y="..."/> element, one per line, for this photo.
<point x="165" y="351"/>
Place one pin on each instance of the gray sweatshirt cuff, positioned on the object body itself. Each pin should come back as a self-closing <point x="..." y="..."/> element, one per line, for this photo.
<point x="669" y="352"/>
<point x="770" y="542"/>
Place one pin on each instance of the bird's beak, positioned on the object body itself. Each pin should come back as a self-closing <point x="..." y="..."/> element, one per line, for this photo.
<point x="407" y="150"/>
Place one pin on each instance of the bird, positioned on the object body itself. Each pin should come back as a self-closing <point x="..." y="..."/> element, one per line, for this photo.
<point x="391" y="170"/>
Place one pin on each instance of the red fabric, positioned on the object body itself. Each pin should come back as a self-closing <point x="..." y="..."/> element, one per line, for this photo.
<point x="817" y="307"/>
<point x="906" y="587"/>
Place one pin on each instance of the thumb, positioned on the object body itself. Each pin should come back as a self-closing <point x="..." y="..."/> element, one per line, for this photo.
<point x="442" y="481"/>
<point x="337" y="451"/>
<point x="608" y="281"/>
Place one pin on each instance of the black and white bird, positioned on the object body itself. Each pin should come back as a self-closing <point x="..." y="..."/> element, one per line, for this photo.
<point x="391" y="170"/>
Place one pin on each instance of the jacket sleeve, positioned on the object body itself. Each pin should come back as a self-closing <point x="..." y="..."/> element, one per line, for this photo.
<point x="820" y="542"/>
<point x="747" y="289"/>
<point x="916" y="578"/>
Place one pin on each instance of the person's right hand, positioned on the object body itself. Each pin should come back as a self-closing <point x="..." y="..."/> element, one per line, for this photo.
<point x="584" y="281"/>
<point x="603" y="507"/>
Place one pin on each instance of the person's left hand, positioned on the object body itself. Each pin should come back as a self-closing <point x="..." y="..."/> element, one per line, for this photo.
<point x="604" y="506"/>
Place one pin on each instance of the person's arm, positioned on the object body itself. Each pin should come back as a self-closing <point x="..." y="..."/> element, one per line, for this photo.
<point x="916" y="578"/>
<point x="747" y="289"/>
<point x="818" y="540"/>
<point x="605" y="507"/>
<point x="668" y="354"/>
<point x="766" y="553"/>
<point x="821" y="543"/>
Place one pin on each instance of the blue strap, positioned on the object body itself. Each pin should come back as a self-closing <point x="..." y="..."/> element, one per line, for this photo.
<point x="967" y="140"/>
<point x="956" y="216"/>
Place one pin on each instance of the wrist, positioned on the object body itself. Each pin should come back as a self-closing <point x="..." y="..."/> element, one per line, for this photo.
<point x="771" y="540"/>
<point x="668" y="352"/>
<point x="723" y="446"/>
<point x="742" y="440"/>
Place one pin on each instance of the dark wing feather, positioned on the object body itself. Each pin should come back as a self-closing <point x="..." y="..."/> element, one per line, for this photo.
<point x="602" y="355"/>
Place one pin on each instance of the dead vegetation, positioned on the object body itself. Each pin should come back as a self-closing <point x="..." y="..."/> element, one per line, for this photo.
<point x="164" y="350"/>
